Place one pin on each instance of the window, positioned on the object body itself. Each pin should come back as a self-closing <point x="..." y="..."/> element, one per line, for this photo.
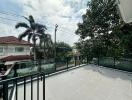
<point x="27" y="49"/>
<point x="19" y="49"/>
<point x="1" y="50"/>
<point x="10" y="49"/>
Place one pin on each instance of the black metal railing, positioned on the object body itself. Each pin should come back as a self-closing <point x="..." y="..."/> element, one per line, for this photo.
<point x="116" y="63"/>
<point x="30" y="67"/>
<point x="13" y="85"/>
<point x="64" y="64"/>
<point x="25" y="72"/>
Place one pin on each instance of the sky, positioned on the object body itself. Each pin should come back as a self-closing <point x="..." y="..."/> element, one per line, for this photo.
<point x="65" y="13"/>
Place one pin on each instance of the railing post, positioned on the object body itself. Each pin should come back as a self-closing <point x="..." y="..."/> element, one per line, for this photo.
<point x="79" y="60"/>
<point x="43" y="86"/>
<point x="114" y="62"/>
<point x="75" y="61"/>
<point x="5" y="89"/>
<point x="38" y="86"/>
<point x="67" y="62"/>
<point x="24" y="88"/>
<point x="31" y="87"/>
<point x="98" y="60"/>
<point x="15" y="71"/>
<point x="87" y="59"/>
<point x="55" y="65"/>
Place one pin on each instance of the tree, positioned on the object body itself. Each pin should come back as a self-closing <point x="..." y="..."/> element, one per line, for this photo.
<point x="99" y="24"/>
<point x="62" y="49"/>
<point x="47" y="45"/>
<point x="33" y="30"/>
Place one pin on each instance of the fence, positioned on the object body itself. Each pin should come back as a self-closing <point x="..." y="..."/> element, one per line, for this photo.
<point x="30" y="67"/>
<point x="25" y="72"/>
<point x="120" y="63"/>
<point x="12" y="84"/>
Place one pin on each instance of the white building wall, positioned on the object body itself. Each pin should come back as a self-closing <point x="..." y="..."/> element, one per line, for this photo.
<point x="10" y="50"/>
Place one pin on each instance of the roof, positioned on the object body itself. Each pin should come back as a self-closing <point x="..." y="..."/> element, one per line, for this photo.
<point x="13" y="40"/>
<point x="16" y="58"/>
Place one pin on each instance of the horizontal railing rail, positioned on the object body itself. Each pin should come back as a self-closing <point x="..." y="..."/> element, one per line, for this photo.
<point x="15" y="84"/>
<point x="48" y="67"/>
<point x="25" y="72"/>
<point x="116" y="63"/>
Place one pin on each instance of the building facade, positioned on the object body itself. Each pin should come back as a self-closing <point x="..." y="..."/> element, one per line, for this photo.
<point x="11" y="49"/>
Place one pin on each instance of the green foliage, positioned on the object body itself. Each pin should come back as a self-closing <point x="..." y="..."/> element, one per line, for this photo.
<point x="101" y="24"/>
<point x="62" y="49"/>
<point x="36" y="31"/>
<point x="101" y="17"/>
<point x="33" y="30"/>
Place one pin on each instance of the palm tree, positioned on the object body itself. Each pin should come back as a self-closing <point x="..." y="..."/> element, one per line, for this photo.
<point x="46" y="40"/>
<point x="33" y="31"/>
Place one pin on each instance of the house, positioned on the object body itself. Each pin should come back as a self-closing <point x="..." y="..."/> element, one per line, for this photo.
<point x="75" y="51"/>
<point x="11" y="50"/>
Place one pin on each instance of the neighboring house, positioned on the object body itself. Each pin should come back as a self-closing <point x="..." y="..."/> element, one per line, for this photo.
<point x="75" y="51"/>
<point x="11" y="49"/>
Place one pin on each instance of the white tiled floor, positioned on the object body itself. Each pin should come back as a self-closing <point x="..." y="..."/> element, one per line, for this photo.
<point x="85" y="83"/>
<point x="90" y="83"/>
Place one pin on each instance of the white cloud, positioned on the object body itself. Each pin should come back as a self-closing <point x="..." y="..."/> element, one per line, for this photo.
<point x="8" y="30"/>
<point x="51" y="12"/>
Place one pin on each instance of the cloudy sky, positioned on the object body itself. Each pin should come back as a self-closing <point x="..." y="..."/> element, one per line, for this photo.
<point x="65" y="13"/>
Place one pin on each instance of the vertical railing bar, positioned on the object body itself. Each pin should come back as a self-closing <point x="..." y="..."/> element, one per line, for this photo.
<point x="43" y="86"/>
<point x="79" y="60"/>
<point x="37" y="86"/>
<point x="24" y="88"/>
<point x="16" y="89"/>
<point x="98" y="60"/>
<point x="114" y="62"/>
<point x="55" y="64"/>
<point x="67" y="62"/>
<point x="75" y="60"/>
<point x="5" y="89"/>
<point x="31" y="87"/>
<point x="87" y="59"/>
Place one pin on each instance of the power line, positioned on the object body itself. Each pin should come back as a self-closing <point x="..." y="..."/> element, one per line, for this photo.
<point x="4" y="23"/>
<point x="11" y="14"/>
<point x="9" y="19"/>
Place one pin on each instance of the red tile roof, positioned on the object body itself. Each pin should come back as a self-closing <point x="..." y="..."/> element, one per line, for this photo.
<point x="16" y="58"/>
<point x="13" y="40"/>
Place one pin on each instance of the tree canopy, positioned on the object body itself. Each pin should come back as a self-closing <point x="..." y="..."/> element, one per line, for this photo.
<point x="62" y="49"/>
<point x="102" y="26"/>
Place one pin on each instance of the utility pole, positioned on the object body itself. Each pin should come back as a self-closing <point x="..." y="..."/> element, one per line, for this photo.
<point x="56" y="26"/>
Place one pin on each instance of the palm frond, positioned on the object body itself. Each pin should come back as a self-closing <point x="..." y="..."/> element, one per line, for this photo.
<point x="21" y="24"/>
<point x="31" y="19"/>
<point x="40" y="28"/>
<point x="24" y="34"/>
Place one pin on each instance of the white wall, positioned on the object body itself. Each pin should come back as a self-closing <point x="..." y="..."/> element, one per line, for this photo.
<point x="10" y="50"/>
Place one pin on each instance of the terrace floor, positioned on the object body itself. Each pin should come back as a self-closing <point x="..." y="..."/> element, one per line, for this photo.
<point x="90" y="83"/>
<point x="85" y="83"/>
